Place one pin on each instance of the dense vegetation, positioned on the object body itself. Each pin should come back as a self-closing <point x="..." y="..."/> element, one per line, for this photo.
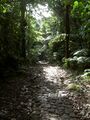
<point x="62" y="37"/>
<point x="44" y="59"/>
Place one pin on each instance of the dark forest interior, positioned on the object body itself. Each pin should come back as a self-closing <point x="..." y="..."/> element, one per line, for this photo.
<point x="44" y="59"/>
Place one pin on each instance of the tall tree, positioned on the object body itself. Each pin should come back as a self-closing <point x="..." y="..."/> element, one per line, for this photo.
<point x="67" y="21"/>
<point x="62" y="10"/>
<point x="23" y="25"/>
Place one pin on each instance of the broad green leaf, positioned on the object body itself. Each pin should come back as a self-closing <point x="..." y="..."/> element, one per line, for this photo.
<point x="76" y="4"/>
<point x="4" y="11"/>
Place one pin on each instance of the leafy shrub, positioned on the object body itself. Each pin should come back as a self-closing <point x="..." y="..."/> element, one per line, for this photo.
<point x="33" y="56"/>
<point x="86" y="70"/>
<point x="86" y="76"/>
<point x="56" y="47"/>
<point x="66" y="62"/>
<point x="79" y="61"/>
<point x="82" y="52"/>
<point x="83" y="62"/>
<point x="70" y="63"/>
<point x="56" y="40"/>
<point x="74" y="87"/>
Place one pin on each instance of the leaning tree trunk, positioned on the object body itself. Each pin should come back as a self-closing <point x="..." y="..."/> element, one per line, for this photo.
<point x="67" y="31"/>
<point x="23" y="25"/>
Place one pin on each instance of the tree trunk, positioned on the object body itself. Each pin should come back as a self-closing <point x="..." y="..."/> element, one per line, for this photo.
<point x="67" y="31"/>
<point x="23" y="25"/>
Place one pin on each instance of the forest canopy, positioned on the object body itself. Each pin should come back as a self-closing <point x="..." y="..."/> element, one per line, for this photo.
<point x="33" y="30"/>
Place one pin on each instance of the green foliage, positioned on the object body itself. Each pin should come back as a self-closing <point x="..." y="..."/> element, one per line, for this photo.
<point x="70" y="63"/>
<point x="86" y="76"/>
<point x="78" y="8"/>
<point x="34" y="33"/>
<point x="74" y="87"/>
<point x="82" y="52"/>
<point x="9" y="33"/>
<point x="58" y="38"/>
<point x="79" y="61"/>
<point x="50" y="25"/>
<point x="56" y="47"/>
<point x="81" y="13"/>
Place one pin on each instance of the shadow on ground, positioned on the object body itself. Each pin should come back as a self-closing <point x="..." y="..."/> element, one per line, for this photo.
<point x="41" y="95"/>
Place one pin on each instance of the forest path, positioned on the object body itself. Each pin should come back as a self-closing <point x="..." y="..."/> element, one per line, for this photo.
<point x="41" y="95"/>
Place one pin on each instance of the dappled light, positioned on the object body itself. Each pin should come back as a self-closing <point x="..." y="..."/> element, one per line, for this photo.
<point x="43" y="94"/>
<point x="44" y="60"/>
<point x="41" y="11"/>
<point x="54" y="73"/>
<point x="54" y="117"/>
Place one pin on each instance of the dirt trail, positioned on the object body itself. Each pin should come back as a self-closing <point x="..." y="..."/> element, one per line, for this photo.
<point x="41" y="95"/>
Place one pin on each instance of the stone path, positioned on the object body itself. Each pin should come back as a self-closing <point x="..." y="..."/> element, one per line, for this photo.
<point x="41" y="95"/>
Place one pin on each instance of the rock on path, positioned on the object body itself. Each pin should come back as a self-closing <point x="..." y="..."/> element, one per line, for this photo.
<point x="42" y="95"/>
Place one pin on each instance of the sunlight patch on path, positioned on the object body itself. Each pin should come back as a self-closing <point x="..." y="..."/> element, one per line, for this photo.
<point x="55" y="77"/>
<point x="54" y="96"/>
<point x="53" y="117"/>
<point x="54" y="73"/>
